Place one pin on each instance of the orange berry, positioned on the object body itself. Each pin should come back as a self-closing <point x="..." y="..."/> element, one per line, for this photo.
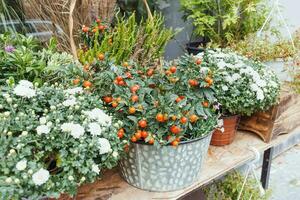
<point x="160" y="117"/>
<point x="114" y="104"/>
<point x="101" y="56"/>
<point x="85" y="29"/>
<point x="205" y="104"/>
<point x="151" y="141"/>
<point x="193" y="118"/>
<point x="119" y="78"/>
<point x="138" y="135"/>
<point x="144" y="134"/>
<point x="173" y="69"/>
<point x="120" y="134"/>
<point x="133" y="139"/>
<point x="198" y="61"/>
<point x="174" y="117"/>
<point x="175" y="129"/>
<point x="76" y="81"/>
<point x="87" y="84"/>
<point x="178" y="99"/>
<point x="134" y="98"/>
<point x="125" y="64"/>
<point x="131" y="110"/>
<point x="134" y="88"/>
<point x="143" y="123"/>
<point x="107" y="99"/>
<point x="101" y="28"/>
<point x="183" y="120"/>
<point x="174" y="143"/>
<point x="150" y="72"/>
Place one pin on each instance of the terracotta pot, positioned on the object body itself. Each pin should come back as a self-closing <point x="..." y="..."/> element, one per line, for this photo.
<point x="224" y="138"/>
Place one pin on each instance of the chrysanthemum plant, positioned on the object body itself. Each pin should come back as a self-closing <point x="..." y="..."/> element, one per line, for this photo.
<point x="242" y="86"/>
<point x="52" y="140"/>
<point x="158" y="106"/>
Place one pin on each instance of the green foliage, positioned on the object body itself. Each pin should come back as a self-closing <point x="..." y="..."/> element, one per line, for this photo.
<point x="229" y="188"/>
<point x="225" y="21"/>
<point x="142" y="42"/>
<point x="22" y="57"/>
<point x="265" y="49"/>
<point x="60" y="130"/>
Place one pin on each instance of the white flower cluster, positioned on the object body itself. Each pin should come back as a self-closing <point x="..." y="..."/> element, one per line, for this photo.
<point x="242" y="85"/>
<point x="25" y="89"/>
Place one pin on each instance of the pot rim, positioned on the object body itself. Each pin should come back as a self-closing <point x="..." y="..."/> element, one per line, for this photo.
<point x="230" y="116"/>
<point x="180" y="143"/>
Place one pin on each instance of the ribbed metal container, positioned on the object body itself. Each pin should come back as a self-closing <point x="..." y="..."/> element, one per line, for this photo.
<point x="165" y="168"/>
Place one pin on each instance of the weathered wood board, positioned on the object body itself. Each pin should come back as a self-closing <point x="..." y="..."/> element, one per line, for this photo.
<point x="219" y="161"/>
<point x="279" y="119"/>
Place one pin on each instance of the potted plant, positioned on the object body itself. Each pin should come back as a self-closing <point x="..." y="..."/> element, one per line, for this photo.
<point x="241" y="86"/>
<point x="167" y="115"/>
<point x="53" y="139"/>
<point x="220" y="23"/>
<point x="275" y="51"/>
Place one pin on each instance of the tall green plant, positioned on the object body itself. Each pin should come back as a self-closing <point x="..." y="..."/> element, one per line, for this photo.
<point x="142" y="42"/>
<point x="225" y="21"/>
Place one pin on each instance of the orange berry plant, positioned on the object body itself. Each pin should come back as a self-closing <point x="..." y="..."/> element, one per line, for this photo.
<point x="158" y="105"/>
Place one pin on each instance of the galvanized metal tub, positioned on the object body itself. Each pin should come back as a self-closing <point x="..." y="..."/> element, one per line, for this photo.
<point x="165" y="168"/>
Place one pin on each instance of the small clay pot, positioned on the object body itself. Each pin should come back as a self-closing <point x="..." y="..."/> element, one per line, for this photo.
<point x="230" y="125"/>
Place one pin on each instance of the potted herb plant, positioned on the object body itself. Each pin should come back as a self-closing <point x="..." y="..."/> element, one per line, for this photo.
<point x="242" y="87"/>
<point x="221" y="23"/>
<point x="275" y="51"/>
<point x="166" y="112"/>
<point x="53" y="139"/>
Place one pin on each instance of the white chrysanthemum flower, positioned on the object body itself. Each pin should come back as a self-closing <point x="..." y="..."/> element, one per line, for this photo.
<point x="229" y="79"/>
<point x="73" y="91"/>
<point x="260" y="95"/>
<point x="100" y="116"/>
<point x="224" y="88"/>
<point x="23" y="91"/>
<point x="21" y="165"/>
<point x="42" y="129"/>
<point x="66" y="127"/>
<point x="221" y="64"/>
<point x="70" y="102"/>
<point x="95" y="169"/>
<point x="254" y="87"/>
<point x="95" y="129"/>
<point x="40" y="177"/>
<point x="26" y="83"/>
<point x="104" y="146"/>
<point x="261" y="83"/>
<point x="74" y="129"/>
<point x="43" y="120"/>
<point x="236" y="76"/>
<point x="77" y="131"/>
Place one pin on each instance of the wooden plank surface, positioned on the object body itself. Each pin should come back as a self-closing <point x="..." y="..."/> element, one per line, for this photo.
<point x="219" y="161"/>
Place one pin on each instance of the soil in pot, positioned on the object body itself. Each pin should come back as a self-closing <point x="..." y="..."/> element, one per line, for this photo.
<point x="165" y="168"/>
<point x="220" y="138"/>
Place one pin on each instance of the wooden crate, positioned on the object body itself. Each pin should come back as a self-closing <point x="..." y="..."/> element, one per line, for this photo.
<point x="279" y="119"/>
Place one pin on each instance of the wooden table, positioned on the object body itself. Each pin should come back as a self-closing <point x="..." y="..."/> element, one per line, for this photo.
<point x="220" y="160"/>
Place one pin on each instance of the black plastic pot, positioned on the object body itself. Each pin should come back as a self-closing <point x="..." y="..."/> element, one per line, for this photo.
<point x="196" y="46"/>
